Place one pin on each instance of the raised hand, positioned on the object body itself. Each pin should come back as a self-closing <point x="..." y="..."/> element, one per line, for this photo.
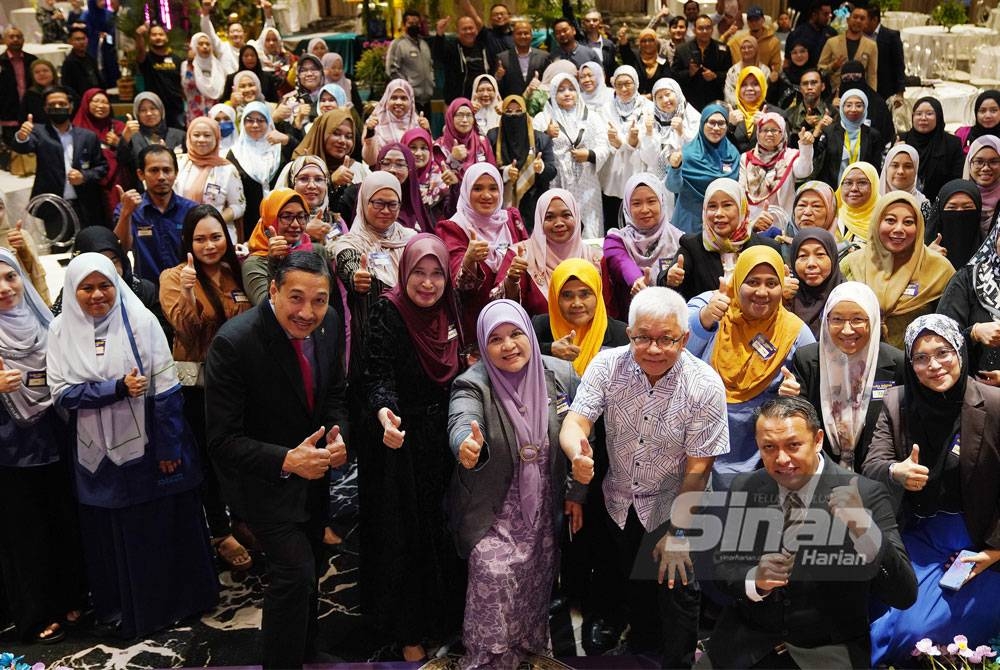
<point x="642" y="282"/>
<point x="909" y="473"/>
<point x="131" y="127"/>
<point x="189" y="276"/>
<point x="468" y="451"/>
<point x="518" y="266"/>
<point x="16" y="237"/>
<point x="25" y="130"/>
<point x="442" y="24"/>
<point x="392" y="436"/>
<point x="552" y="130"/>
<point x="512" y="171"/>
<point x="675" y="275"/>
<point x="564" y="348"/>
<point x="790" y="288"/>
<point x="846" y="505"/>
<point x="277" y="245"/>
<point x="764" y="220"/>
<point x="500" y="71"/>
<point x="130" y="200"/>
<point x="305" y="460"/>
<point x="423" y="122"/>
<point x="717" y="305"/>
<point x="335" y="447"/>
<point x="790" y="386"/>
<point x="362" y="277"/>
<point x="583" y="463"/>
<point x="936" y="246"/>
<point x="476" y="252"/>
<point x="10" y="380"/>
<point x="633" y="135"/>
<point x="135" y="383"/>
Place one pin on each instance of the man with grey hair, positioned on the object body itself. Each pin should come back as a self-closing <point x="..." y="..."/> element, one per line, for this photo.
<point x="665" y="419"/>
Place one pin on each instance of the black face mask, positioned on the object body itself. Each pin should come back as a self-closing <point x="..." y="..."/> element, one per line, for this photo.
<point x="57" y="115"/>
<point x="413" y="31"/>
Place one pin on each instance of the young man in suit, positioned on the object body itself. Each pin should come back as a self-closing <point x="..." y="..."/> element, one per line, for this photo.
<point x="70" y="163"/>
<point x="805" y="591"/>
<point x="891" y="66"/>
<point x="517" y="68"/>
<point x="274" y="389"/>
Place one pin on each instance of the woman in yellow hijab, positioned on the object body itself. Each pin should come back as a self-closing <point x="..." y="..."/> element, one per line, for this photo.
<point x="745" y="333"/>
<point x="907" y="277"/>
<point x="857" y="194"/>
<point x="751" y="91"/>
<point x="577" y="325"/>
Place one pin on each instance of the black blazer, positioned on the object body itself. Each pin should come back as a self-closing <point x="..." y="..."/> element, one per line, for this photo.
<point x="891" y="67"/>
<point x="255" y="396"/>
<point x="960" y="302"/>
<point x="978" y="460"/>
<point x="699" y="92"/>
<point x="888" y="373"/>
<point x="513" y="82"/>
<point x="817" y="607"/>
<point x="829" y="150"/>
<point x="702" y="268"/>
<point x="51" y="171"/>
<point x="10" y="101"/>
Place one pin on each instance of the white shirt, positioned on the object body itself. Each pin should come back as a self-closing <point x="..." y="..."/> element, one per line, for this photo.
<point x="66" y="139"/>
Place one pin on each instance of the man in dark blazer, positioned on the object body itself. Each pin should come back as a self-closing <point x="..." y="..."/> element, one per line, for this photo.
<point x="804" y="591"/>
<point x="891" y="66"/>
<point x="513" y="80"/>
<point x="15" y="78"/>
<point x="700" y="66"/>
<point x="274" y="389"/>
<point x="71" y="164"/>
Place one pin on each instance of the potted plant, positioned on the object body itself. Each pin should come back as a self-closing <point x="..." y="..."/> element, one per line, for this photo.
<point x="949" y="13"/>
<point x="370" y="68"/>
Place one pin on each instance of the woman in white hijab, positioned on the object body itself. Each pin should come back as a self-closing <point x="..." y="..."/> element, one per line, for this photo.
<point x="203" y="77"/>
<point x="595" y="93"/>
<point x="672" y="124"/>
<point x="136" y="466"/>
<point x="624" y="114"/>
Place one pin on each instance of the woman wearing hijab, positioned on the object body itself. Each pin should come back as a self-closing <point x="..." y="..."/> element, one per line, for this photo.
<point x="816" y="267"/>
<point x="225" y="116"/>
<point x="848" y="142"/>
<point x="17" y="241"/>
<point x="308" y="176"/>
<point x="257" y="160"/>
<point x="198" y="296"/>
<point x="907" y="277"/>
<point x="646" y="61"/>
<point x="486" y="259"/>
<point x="396" y="159"/>
<point x="899" y="173"/>
<point x="330" y="97"/>
<point x="815" y="205"/>
<point x="250" y="62"/>
<point x="710" y="156"/>
<point x="635" y="253"/>
<point x="147" y="126"/>
<point x="208" y="179"/>
<point x="853" y="76"/>
<point x="367" y="258"/>
<point x="580" y="146"/>
<point x="857" y="193"/>
<point x="538" y="95"/>
<point x="203" y="78"/>
<point x="415" y="579"/>
<point x="940" y="152"/>
<point x="486" y="103"/>
<point x="275" y="58"/>
<point x="982" y="166"/>
<point x="706" y="256"/>
<point x="751" y="92"/>
<point x="624" y="118"/>
<point x="846" y="374"/>
<point x="42" y="587"/>
<point x="94" y="114"/>
<point x="672" y="124"/>
<point x="747" y="336"/>
<point x="524" y="156"/>
<point x="786" y="90"/>
<point x="438" y="184"/>
<point x="246" y="89"/>
<point x="987" y="122"/>
<point x="279" y="232"/>
<point x="935" y="448"/>
<point x="504" y="510"/>
<point x="554" y="238"/>
<point x="394" y="114"/>
<point x="308" y="79"/>
<point x="955" y="217"/>
<point x="136" y="469"/>
<point x="769" y="170"/>
<point x="334" y="138"/>
<point x="748" y="58"/>
<point x="461" y="143"/>
<point x="593" y="91"/>
<point x="333" y="68"/>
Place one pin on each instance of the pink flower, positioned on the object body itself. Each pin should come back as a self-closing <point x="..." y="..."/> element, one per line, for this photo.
<point x="982" y="652"/>
<point x="925" y="646"/>
<point x="960" y="646"/>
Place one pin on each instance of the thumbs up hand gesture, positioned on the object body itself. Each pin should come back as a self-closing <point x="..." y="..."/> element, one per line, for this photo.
<point x="25" y="130"/>
<point x="790" y="288"/>
<point x="512" y="172"/>
<point x="189" y="276"/>
<point x="277" y="245"/>
<point x="846" y="505"/>
<point x="764" y="220"/>
<point x="583" y="463"/>
<point x="135" y="383"/>
<point x="468" y="451"/>
<point x="790" y="386"/>
<point x="552" y="130"/>
<point x="423" y="122"/>
<point x="130" y="200"/>
<point x="641" y="282"/>
<point x="633" y="135"/>
<point x="362" y="277"/>
<point x="936" y="246"/>
<point x="131" y="127"/>
<point x="476" y="252"/>
<point x="717" y="306"/>
<point x="392" y="436"/>
<point x="909" y="473"/>
<point x="16" y="237"/>
<point x="518" y="266"/>
<point x="10" y="380"/>
<point x="675" y="275"/>
<point x="564" y="348"/>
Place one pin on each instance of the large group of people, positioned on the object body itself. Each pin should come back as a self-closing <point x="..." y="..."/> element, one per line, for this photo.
<point x="618" y="277"/>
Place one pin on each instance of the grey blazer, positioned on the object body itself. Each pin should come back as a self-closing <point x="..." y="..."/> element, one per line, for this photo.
<point x="475" y="496"/>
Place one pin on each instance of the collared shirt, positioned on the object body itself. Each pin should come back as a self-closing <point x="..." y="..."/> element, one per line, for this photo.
<point x="66" y="139"/>
<point x="156" y="235"/>
<point x="579" y="56"/>
<point x="20" y="76"/>
<point x="652" y="429"/>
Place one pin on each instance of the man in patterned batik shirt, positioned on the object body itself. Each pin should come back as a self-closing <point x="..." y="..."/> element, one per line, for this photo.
<point x="665" y="420"/>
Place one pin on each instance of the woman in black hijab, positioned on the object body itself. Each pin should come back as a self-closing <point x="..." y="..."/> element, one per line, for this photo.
<point x="941" y="156"/>
<point x="816" y="266"/>
<point x="955" y="216"/>
<point x="987" y="110"/>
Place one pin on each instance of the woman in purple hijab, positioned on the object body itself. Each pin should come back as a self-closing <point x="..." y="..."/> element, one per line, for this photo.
<point x="506" y="500"/>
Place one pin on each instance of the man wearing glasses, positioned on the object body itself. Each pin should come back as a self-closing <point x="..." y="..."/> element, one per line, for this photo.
<point x="665" y="420"/>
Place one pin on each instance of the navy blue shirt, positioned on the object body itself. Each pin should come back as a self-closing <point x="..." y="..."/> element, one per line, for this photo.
<point x="156" y="235"/>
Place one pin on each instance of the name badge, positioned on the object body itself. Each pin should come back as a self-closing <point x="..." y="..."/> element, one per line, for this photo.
<point x="956" y="445"/>
<point x="666" y="263"/>
<point x="413" y="54"/>
<point x="213" y="189"/>
<point x="240" y="296"/>
<point x="912" y="289"/>
<point x="452" y="332"/>
<point x="763" y="346"/>
<point x="85" y="165"/>
<point x="99" y="346"/>
<point x="145" y="231"/>
<point x="502" y="248"/>
<point x="36" y="379"/>
<point x="879" y="389"/>
<point x="378" y="258"/>
<point x="726" y="168"/>
<point x="562" y="404"/>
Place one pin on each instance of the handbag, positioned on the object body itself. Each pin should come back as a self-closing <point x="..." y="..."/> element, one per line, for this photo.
<point x="191" y="373"/>
<point x="23" y="165"/>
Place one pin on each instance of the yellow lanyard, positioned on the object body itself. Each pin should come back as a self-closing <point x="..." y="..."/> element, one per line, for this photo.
<point x="853" y="153"/>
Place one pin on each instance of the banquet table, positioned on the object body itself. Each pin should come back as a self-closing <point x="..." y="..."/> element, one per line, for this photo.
<point x="54" y="53"/>
<point x="24" y="18"/>
<point x="956" y="100"/>
<point x="959" y="41"/>
<point x="900" y="20"/>
<point x="984" y="65"/>
<point x="16" y="192"/>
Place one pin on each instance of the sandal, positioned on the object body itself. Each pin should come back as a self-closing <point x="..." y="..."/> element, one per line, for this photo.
<point x="51" y="634"/>
<point x="232" y="553"/>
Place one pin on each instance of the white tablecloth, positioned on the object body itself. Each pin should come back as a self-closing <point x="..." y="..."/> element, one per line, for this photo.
<point x="900" y="20"/>
<point x="16" y="194"/>
<point x="54" y="53"/>
<point x="24" y="19"/>
<point x="956" y="100"/>
<point x="961" y="39"/>
<point x="985" y="64"/>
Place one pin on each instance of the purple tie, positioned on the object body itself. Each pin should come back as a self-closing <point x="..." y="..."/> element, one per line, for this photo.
<point x="307" y="372"/>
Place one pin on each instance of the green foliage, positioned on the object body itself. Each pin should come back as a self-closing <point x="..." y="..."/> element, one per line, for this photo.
<point x="130" y="16"/>
<point x="949" y="13"/>
<point x="370" y="68"/>
<point x="888" y="5"/>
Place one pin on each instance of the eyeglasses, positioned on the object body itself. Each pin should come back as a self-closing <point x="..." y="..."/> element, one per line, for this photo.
<point x="943" y="356"/>
<point x="384" y="205"/>
<point x="663" y="342"/>
<point x="839" y="322"/>
<point x="305" y="181"/>
<point x="288" y="218"/>
<point x="253" y="121"/>
<point x="715" y="123"/>
<point x="628" y="83"/>
<point x="770" y="131"/>
<point x="980" y="163"/>
<point x="398" y="165"/>
<point x="860" y="184"/>
<point x="464" y="115"/>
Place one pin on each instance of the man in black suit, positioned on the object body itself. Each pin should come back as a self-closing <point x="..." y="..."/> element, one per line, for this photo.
<point x="891" y="66"/>
<point x="700" y="66"/>
<point x="272" y="376"/>
<point x="15" y="78"/>
<point x="804" y="590"/>
<point x="79" y="70"/>
<point x="511" y="74"/>
<point x="71" y="164"/>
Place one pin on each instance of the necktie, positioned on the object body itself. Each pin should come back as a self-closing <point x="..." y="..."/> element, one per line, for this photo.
<point x="795" y="514"/>
<point x="307" y="373"/>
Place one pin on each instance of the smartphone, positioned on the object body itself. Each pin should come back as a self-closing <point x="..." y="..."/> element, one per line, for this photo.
<point x="958" y="572"/>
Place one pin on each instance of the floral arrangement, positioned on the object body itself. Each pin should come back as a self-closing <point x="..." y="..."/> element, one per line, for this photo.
<point x="957" y="654"/>
<point x="949" y="13"/>
<point x="9" y="661"/>
<point x="370" y="68"/>
<point x="839" y="20"/>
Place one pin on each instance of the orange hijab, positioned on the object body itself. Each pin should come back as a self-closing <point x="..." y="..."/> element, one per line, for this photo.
<point x="204" y="162"/>
<point x="270" y="207"/>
